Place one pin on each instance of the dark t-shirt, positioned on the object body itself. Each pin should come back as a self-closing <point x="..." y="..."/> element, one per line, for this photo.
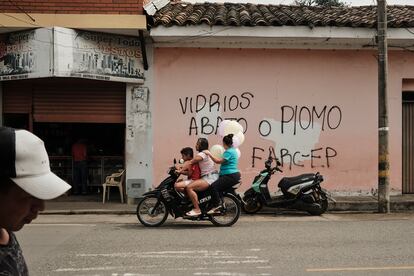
<point x="12" y="262"/>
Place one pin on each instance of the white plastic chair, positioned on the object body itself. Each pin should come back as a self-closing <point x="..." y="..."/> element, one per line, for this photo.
<point x="114" y="180"/>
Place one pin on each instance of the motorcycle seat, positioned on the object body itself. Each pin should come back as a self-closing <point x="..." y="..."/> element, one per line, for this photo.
<point x="287" y="182"/>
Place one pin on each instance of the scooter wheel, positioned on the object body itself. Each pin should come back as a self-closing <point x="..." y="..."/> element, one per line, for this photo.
<point x="251" y="205"/>
<point x="324" y="206"/>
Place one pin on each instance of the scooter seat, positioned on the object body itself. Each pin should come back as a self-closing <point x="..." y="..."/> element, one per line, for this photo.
<point x="287" y="182"/>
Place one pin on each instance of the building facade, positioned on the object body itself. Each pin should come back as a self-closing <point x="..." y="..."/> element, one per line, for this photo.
<point x="78" y="70"/>
<point x="301" y="80"/>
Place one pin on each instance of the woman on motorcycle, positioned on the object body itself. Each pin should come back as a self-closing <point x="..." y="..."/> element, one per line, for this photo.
<point x="208" y="176"/>
<point x="229" y="172"/>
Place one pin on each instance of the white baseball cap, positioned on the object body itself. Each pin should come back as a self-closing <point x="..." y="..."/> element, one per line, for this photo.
<point x="23" y="158"/>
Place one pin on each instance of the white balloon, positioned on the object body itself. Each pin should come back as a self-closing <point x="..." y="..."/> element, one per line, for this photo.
<point x="221" y="127"/>
<point x="232" y="127"/>
<point x="238" y="153"/>
<point x="217" y="151"/>
<point x="238" y="139"/>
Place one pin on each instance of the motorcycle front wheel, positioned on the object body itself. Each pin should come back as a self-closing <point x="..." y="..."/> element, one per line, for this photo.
<point x="230" y="214"/>
<point x="152" y="212"/>
<point x="322" y="200"/>
<point x="251" y="205"/>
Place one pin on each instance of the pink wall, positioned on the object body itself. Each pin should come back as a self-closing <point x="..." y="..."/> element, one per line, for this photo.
<point x="266" y="82"/>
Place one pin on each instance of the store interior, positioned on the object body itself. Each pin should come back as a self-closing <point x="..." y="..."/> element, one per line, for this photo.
<point x="105" y="145"/>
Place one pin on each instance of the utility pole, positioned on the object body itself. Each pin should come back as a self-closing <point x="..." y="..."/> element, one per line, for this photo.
<point x="383" y="162"/>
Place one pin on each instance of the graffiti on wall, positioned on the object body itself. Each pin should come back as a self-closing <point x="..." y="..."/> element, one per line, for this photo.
<point x="201" y="107"/>
<point x="295" y="135"/>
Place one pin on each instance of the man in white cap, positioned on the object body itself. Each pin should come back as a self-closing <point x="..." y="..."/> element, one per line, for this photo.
<point x="25" y="182"/>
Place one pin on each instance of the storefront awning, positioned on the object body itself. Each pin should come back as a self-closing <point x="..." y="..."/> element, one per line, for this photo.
<point x="125" y="24"/>
<point x="66" y="52"/>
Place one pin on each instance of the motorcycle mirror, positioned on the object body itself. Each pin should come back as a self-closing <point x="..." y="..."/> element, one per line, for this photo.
<point x="175" y="161"/>
<point x="278" y="163"/>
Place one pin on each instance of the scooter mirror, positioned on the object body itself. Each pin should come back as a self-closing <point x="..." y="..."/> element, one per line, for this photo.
<point x="278" y="163"/>
<point x="175" y="161"/>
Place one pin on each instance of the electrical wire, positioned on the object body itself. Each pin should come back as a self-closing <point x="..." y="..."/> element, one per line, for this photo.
<point x="17" y="6"/>
<point x="409" y="31"/>
<point x="199" y="36"/>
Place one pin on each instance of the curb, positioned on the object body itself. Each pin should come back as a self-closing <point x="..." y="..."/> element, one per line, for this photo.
<point x="88" y="212"/>
<point x="343" y="206"/>
<point x="370" y="206"/>
<point x="358" y="206"/>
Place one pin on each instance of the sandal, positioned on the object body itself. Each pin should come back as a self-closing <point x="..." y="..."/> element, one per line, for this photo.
<point x="193" y="213"/>
<point x="214" y="210"/>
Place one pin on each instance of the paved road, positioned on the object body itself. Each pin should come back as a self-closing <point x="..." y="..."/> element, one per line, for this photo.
<point x="293" y="244"/>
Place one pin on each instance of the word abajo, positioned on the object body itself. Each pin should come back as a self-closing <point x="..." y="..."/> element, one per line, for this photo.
<point x="324" y="155"/>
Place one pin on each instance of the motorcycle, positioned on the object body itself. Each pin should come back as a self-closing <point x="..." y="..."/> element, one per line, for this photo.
<point x="157" y="204"/>
<point x="302" y="192"/>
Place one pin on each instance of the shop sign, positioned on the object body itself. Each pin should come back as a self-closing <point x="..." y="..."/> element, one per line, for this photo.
<point x="26" y="54"/>
<point x="92" y="55"/>
<point x="63" y="52"/>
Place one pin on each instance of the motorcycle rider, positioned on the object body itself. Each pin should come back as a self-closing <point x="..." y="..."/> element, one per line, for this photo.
<point x="229" y="172"/>
<point x="208" y="176"/>
<point x="191" y="170"/>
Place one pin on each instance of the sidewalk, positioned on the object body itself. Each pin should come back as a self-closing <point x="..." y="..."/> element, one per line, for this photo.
<point x="92" y="204"/>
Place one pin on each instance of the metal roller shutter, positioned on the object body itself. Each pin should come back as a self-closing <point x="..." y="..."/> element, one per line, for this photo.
<point x="17" y="98"/>
<point x="64" y="100"/>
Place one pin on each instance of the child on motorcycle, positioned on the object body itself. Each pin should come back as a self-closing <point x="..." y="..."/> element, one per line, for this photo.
<point x="229" y="173"/>
<point x="191" y="170"/>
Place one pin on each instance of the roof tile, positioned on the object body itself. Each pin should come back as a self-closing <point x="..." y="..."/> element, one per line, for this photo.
<point x="230" y="14"/>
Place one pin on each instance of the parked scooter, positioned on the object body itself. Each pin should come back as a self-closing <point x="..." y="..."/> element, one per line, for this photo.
<point x="301" y="192"/>
<point x="154" y="208"/>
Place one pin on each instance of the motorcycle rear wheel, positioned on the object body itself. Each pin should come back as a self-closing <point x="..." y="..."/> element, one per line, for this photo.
<point x="152" y="212"/>
<point x="230" y="214"/>
<point x="251" y="205"/>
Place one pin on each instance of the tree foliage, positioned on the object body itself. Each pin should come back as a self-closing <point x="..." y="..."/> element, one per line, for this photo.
<point x="324" y="3"/>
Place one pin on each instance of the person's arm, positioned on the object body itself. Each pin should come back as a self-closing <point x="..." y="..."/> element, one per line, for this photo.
<point x="196" y="159"/>
<point x="189" y="169"/>
<point x="185" y="168"/>
<point x="217" y="160"/>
